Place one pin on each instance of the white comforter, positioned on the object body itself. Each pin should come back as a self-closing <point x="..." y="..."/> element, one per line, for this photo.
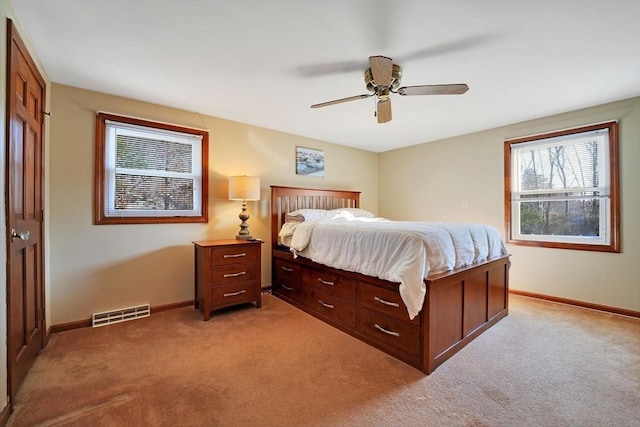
<point x="398" y="251"/>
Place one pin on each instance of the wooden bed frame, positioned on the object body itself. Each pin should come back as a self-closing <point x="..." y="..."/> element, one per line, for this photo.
<point x="458" y="307"/>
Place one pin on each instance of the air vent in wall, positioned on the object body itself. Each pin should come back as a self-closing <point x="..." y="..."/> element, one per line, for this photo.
<point x="120" y="315"/>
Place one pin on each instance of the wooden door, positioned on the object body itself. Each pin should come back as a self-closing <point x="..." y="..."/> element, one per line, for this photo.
<point x="25" y="295"/>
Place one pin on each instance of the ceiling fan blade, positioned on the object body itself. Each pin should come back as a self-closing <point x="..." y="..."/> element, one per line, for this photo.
<point x="453" y="89"/>
<point x="340" y="101"/>
<point x="382" y="70"/>
<point x="383" y="110"/>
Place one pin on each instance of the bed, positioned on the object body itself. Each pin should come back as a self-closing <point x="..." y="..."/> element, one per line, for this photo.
<point x="456" y="306"/>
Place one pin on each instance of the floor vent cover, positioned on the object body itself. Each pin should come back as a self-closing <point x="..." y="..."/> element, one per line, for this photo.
<point x="121" y="315"/>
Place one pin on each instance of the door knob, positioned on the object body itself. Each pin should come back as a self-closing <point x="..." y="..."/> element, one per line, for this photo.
<point x="23" y="235"/>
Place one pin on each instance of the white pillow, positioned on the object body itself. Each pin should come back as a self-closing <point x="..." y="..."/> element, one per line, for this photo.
<point x="302" y="215"/>
<point x="355" y="212"/>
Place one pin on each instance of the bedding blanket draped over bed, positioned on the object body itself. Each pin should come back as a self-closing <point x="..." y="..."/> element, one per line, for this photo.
<point x="398" y="251"/>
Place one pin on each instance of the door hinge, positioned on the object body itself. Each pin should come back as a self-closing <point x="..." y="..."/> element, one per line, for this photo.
<point x="40" y="215"/>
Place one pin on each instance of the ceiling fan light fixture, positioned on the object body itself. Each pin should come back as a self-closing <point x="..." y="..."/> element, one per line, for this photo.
<point x="396" y="76"/>
<point x="382" y="92"/>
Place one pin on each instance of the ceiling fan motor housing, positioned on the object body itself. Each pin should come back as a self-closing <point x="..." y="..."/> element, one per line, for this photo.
<point x="396" y="76"/>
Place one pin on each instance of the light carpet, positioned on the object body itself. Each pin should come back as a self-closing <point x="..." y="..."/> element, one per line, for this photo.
<point x="545" y="364"/>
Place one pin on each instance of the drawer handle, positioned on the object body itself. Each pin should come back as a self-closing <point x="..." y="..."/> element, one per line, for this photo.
<point x="235" y="274"/>
<point x="286" y="287"/>
<point x="383" y="330"/>
<point x="233" y="294"/>
<point x="324" y="304"/>
<point x="381" y="301"/>
<point x="326" y="283"/>
<point x="235" y="255"/>
<point x="287" y="269"/>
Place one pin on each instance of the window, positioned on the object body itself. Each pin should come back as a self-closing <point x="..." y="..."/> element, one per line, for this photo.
<point x="149" y="172"/>
<point x="561" y="189"/>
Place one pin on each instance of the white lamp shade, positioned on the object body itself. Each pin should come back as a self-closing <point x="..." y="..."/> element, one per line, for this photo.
<point x="244" y="188"/>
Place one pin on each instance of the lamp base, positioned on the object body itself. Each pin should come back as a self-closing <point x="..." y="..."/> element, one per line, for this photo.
<point x="244" y="227"/>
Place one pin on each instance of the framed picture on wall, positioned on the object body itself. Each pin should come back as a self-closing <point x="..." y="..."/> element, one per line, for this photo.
<point x="309" y="162"/>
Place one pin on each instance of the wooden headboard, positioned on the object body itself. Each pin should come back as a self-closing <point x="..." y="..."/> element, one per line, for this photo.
<point x="288" y="199"/>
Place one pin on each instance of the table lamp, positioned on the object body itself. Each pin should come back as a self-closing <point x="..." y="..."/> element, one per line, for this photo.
<point x="244" y="188"/>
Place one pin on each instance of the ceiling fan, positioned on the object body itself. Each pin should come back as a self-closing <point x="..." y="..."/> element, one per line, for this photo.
<point x="382" y="78"/>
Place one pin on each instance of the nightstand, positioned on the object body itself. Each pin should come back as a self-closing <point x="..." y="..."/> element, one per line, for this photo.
<point x="227" y="273"/>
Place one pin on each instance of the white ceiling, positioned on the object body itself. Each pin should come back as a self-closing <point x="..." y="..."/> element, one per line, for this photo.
<point x="264" y="62"/>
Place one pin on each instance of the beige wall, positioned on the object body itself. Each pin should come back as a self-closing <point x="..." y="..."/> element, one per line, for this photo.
<point x="461" y="179"/>
<point x="96" y="268"/>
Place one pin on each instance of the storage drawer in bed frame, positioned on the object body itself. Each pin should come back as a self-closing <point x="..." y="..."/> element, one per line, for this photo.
<point x="458" y="307"/>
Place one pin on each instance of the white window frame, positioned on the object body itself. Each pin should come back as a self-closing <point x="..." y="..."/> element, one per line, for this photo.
<point x="108" y="127"/>
<point x="607" y="190"/>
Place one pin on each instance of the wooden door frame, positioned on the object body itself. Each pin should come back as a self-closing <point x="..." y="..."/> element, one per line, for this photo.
<point x="14" y="36"/>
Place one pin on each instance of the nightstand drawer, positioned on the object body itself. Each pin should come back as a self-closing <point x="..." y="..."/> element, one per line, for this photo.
<point x="233" y="274"/>
<point x="227" y="272"/>
<point x="235" y="293"/>
<point x="239" y="254"/>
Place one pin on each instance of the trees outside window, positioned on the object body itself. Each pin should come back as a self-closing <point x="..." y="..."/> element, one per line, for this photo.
<point x="148" y="172"/>
<point x="561" y="189"/>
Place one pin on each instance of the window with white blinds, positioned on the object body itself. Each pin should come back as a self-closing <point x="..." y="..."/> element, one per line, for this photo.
<point x="151" y="172"/>
<point x="562" y="189"/>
